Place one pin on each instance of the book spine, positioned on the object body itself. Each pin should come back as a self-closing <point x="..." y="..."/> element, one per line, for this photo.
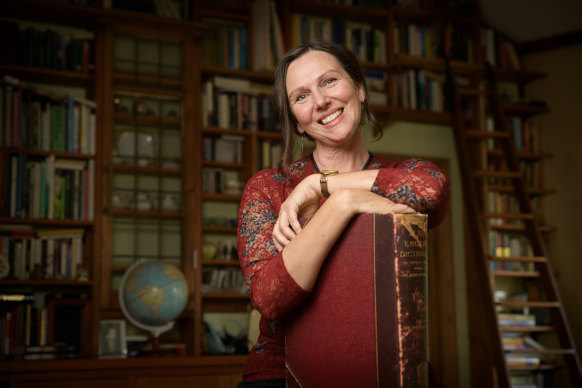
<point x="406" y="307"/>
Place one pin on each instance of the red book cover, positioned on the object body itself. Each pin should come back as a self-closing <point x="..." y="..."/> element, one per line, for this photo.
<point x="364" y="325"/>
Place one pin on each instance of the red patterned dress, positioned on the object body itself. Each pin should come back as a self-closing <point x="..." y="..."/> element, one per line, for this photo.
<point x="417" y="183"/>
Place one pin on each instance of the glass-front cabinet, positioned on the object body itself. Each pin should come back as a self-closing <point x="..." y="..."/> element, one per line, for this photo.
<point x="146" y="141"/>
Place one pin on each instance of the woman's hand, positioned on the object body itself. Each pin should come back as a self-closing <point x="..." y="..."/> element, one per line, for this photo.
<point x="303" y="202"/>
<point x="363" y="201"/>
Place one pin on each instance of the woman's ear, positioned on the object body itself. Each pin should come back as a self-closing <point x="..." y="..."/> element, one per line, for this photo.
<point x="361" y="93"/>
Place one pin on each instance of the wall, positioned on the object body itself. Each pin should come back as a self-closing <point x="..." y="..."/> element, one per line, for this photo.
<point x="562" y="89"/>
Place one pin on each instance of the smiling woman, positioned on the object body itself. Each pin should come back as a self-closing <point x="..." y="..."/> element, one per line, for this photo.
<point x="320" y="92"/>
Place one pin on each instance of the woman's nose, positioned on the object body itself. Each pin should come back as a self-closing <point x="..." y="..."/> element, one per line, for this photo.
<point x="320" y="98"/>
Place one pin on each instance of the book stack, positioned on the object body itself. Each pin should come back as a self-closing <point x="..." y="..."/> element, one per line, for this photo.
<point x="419" y="89"/>
<point x="42" y="253"/>
<point x="223" y="280"/>
<point x="53" y="188"/>
<point x="224" y="45"/>
<point x="48" y="48"/>
<point x="366" y="42"/>
<point x="24" y="330"/>
<point x="37" y="119"/>
<point x="268" y="42"/>
<point x="237" y="103"/>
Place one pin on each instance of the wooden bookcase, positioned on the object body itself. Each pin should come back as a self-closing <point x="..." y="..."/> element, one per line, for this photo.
<point x="200" y="213"/>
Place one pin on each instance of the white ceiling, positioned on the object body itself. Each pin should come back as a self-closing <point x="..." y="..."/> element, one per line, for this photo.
<point x="526" y="21"/>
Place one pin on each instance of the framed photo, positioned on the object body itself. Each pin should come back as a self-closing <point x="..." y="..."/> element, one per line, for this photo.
<point x="112" y="339"/>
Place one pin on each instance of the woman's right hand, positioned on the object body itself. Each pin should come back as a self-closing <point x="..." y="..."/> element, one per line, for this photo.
<point x="364" y="201"/>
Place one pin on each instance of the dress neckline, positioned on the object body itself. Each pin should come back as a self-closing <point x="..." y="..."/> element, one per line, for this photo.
<point x="316" y="167"/>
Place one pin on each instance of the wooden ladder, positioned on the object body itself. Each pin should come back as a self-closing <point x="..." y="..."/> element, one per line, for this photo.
<point x="478" y="179"/>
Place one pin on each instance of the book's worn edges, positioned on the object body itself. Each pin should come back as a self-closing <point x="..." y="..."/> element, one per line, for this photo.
<point x="402" y="359"/>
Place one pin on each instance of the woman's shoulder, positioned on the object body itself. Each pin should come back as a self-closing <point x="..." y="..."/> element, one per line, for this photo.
<point x="270" y="177"/>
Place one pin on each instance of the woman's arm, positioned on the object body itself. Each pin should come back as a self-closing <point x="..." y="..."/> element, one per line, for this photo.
<point x="279" y="281"/>
<point x="417" y="183"/>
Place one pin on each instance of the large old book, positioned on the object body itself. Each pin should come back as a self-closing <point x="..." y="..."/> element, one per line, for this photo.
<point x="365" y="323"/>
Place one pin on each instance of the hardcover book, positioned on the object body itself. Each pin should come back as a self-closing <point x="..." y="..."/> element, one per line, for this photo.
<point x="364" y="325"/>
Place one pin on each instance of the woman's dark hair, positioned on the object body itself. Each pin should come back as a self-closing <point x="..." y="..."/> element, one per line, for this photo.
<point x="288" y="123"/>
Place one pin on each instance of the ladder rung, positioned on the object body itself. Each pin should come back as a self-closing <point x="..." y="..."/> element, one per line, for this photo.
<point x="520" y="228"/>
<point x="518" y="329"/>
<point x="523" y="274"/>
<point x="533" y="367"/>
<point x="518" y="304"/>
<point x="514" y="216"/>
<point x="497" y="174"/>
<point x="521" y="154"/>
<point x="530" y="190"/>
<point x="540" y="351"/>
<point x="532" y="259"/>
<point x="477" y="133"/>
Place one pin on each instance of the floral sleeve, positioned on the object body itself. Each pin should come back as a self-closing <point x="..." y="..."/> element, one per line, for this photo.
<point x="272" y="290"/>
<point x="417" y="183"/>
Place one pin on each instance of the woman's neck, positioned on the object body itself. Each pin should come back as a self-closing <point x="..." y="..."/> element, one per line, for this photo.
<point x="343" y="160"/>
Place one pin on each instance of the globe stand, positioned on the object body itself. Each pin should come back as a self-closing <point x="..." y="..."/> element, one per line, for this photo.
<point x="153" y="349"/>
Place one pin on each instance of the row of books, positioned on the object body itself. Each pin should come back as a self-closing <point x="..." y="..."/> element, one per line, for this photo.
<point x="224" y="45"/>
<point x="237" y="103"/>
<point x="528" y="135"/>
<point x="31" y="119"/>
<point x="419" y="89"/>
<point x="366" y="42"/>
<point x="220" y="181"/>
<point x="503" y="202"/>
<point x="42" y="254"/>
<point x="54" y="188"/>
<point x="223" y="280"/>
<point x="25" y="329"/>
<point x="499" y="51"/>
<point x="270" y="154"/>
<point x="50" y="49"/>
<point x="376" y="82"/>
<point x="516" y="319"/>
<point x="435" y="41"/>
<point x="504" y="244"/>
<point x="226" y="148"/>
<point x="268" y="42"/>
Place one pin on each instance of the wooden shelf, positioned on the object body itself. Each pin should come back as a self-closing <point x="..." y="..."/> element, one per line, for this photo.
<point x="56" y="223"/>
<point x="41" y="75"/>
<point x="46" y="283"/>
<point x="44" y="154"/>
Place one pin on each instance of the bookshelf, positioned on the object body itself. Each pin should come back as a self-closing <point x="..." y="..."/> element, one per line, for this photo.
<point x="183" y="120"/>
<point x="49" y="153"/>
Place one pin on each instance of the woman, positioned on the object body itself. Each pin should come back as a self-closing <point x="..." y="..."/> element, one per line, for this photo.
<point x="320" y="93"/>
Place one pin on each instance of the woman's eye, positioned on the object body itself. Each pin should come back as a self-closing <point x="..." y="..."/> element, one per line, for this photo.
<point x="300" y="97"/>
<point x="329" y="81"/>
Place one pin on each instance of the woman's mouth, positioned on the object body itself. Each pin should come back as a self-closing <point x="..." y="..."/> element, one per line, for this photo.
<point x="331" y="117"/>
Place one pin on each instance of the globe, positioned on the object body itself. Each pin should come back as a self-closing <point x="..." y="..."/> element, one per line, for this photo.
<point x="152" y="294"/>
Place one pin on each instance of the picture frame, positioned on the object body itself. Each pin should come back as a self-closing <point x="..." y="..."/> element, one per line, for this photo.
<point x="112" y="343"/>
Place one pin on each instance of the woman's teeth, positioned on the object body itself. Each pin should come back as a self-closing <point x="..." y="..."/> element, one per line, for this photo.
<point x="332" y="117"/>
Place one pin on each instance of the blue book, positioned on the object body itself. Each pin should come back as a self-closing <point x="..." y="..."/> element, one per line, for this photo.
<point x="242" y="34"/>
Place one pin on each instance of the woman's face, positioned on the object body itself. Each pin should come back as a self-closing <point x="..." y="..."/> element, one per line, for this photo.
<point x="324" y="99"/>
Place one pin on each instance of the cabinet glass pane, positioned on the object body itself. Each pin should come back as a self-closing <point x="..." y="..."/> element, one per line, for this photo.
<point x="147" y="56"/>
<point x="146" y="177"/>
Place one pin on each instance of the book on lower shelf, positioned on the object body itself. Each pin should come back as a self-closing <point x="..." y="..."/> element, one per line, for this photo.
<point x="365" y="322"/>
